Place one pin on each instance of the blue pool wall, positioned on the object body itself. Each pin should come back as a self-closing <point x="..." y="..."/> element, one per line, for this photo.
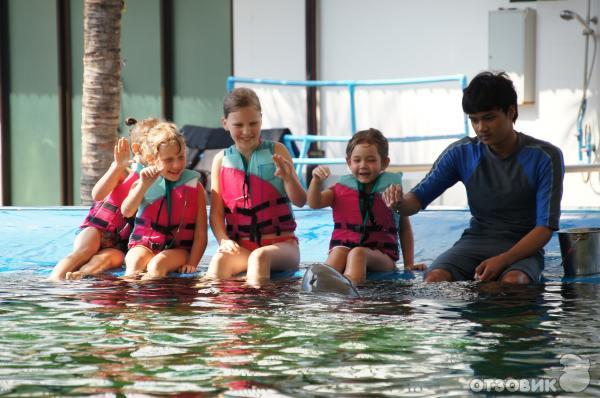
<point x="34" y="239"/>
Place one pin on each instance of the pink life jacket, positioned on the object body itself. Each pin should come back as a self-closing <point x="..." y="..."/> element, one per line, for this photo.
<point x="254" y="199"/>
<point x="166" y="217"/>
<point x="106" y="216"/>
<point x="362" y="219"/>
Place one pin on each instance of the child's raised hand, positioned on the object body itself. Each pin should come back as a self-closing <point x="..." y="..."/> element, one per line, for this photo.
<point x="228" y="246"/>
<point x="321" y="173"/>
<point x="149" y="174"/>
<point x="283" y="167"/>
<point x="121" y="153"/>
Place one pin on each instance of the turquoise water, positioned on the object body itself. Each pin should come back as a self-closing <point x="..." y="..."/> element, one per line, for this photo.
<point x="176" y="337"/>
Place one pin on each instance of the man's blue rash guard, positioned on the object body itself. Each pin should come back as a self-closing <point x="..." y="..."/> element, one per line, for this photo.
<point x="507" y="197"/>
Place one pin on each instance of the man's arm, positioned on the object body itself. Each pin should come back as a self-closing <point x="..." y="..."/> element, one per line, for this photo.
<point x="444" y="173"/>
<point x="530" y="244"/>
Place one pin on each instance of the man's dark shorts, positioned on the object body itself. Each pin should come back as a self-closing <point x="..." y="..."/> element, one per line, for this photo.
<point x="470" y="250"/>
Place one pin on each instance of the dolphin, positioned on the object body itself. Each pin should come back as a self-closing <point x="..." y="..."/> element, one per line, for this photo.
<point x="321" y="278"/>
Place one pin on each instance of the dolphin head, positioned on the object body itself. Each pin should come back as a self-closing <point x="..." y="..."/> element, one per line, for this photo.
<point x="321" y="278"/>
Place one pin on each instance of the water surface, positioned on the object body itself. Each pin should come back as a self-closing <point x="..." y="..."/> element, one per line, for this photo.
<point x="179" y="337"/>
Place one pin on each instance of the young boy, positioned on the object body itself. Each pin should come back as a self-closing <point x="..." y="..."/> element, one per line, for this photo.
<point x="365" y="235"/>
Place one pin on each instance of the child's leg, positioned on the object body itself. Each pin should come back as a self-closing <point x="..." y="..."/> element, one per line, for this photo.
<point x="165" y="262"/>
<point x="337" y="258"/>
<point x="86" y="244"/>
<point x="362" y="258"/>
<point x="104" y="260"/>
<point x="279" y="256"/>
<point x="137" y="260"/>
<point x="225" y="265"/>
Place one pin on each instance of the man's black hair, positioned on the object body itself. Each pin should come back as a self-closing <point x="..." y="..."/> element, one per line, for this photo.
<point x="490" y="91"/>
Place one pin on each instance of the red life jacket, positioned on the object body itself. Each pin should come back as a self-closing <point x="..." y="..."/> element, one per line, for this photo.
<point x="254" y="199"/>
<point x="166" y="217"/>
<point x="362" y="219"/>
<point x="106" y="216"/>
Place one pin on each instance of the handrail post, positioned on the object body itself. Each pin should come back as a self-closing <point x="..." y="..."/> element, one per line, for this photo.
<point x="302" y="155"/>
<point x="351" y="91"/>
<point x="463" y="85"/>
<point x="230" y="83"/>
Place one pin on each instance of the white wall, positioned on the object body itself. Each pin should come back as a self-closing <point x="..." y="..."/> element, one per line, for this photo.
<point x="269" y="42"/>
<point x="390" y="39"/>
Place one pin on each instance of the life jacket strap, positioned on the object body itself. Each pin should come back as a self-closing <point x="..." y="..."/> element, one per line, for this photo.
<point x="259" y="207"/>
<point x="248" y="228"/>
<point x="109" y="206"/>
<point x="255" y="228"/>
<point x="97" y="221"/>
<point x="364" y="228"/>
<point x="164" y="229"/>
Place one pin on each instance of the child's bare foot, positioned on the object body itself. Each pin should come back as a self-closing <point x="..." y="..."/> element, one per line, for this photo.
<point x="75" y="275"/>
<point x="257" y="283"/>
<point x="206" y="278"/>
<point x="132" y="277"/>
<point x="150" y="277"/>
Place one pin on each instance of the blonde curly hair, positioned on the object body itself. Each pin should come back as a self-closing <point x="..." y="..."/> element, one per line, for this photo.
<point x="162" y="133"/>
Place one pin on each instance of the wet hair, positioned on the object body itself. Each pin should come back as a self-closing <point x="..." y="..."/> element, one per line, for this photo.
<point x="239" y="98"/>
<point x="490" y="91"/>
<point x="139" y="129"/>
<point x="161" y="134"/>
<point x="372" y="137"/>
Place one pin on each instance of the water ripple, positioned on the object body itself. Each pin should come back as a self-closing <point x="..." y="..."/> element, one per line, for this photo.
<point x="108" y="337"/>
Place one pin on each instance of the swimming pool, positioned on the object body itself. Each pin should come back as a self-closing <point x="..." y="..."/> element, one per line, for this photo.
<point x="107" y="337"/>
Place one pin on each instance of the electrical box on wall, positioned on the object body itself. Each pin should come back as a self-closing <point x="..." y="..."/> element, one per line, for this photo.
<point x="511" y="46"/>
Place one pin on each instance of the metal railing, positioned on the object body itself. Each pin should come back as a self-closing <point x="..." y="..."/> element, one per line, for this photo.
<point x="305" y="141"/>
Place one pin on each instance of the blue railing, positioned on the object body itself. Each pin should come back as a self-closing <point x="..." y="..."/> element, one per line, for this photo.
<point x="351" y="85"/>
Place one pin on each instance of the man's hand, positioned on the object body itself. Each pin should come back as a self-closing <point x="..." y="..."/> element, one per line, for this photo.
<point x="415" y="267"/>
<point x="490" y="269"/>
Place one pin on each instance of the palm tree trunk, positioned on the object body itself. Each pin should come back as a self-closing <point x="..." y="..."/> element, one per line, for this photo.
<point x="101" y="100"/>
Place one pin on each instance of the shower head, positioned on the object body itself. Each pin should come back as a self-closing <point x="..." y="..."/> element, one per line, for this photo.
<point x="567" y="15"/>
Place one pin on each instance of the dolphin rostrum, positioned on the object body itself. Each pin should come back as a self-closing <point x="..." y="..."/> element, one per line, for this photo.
<point x="321" y="278"/>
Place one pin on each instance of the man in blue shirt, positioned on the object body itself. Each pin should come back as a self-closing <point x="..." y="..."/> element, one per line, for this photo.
<point x="514" y="188"/>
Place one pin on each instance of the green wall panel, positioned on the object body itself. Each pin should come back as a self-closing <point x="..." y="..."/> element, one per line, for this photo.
<point x="202" y="54"/>
<point x="202" y="62"/>
<point x="33" y="108"/>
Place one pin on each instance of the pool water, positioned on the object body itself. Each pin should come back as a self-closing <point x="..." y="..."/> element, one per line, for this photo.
<point x="178" y="337"/>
